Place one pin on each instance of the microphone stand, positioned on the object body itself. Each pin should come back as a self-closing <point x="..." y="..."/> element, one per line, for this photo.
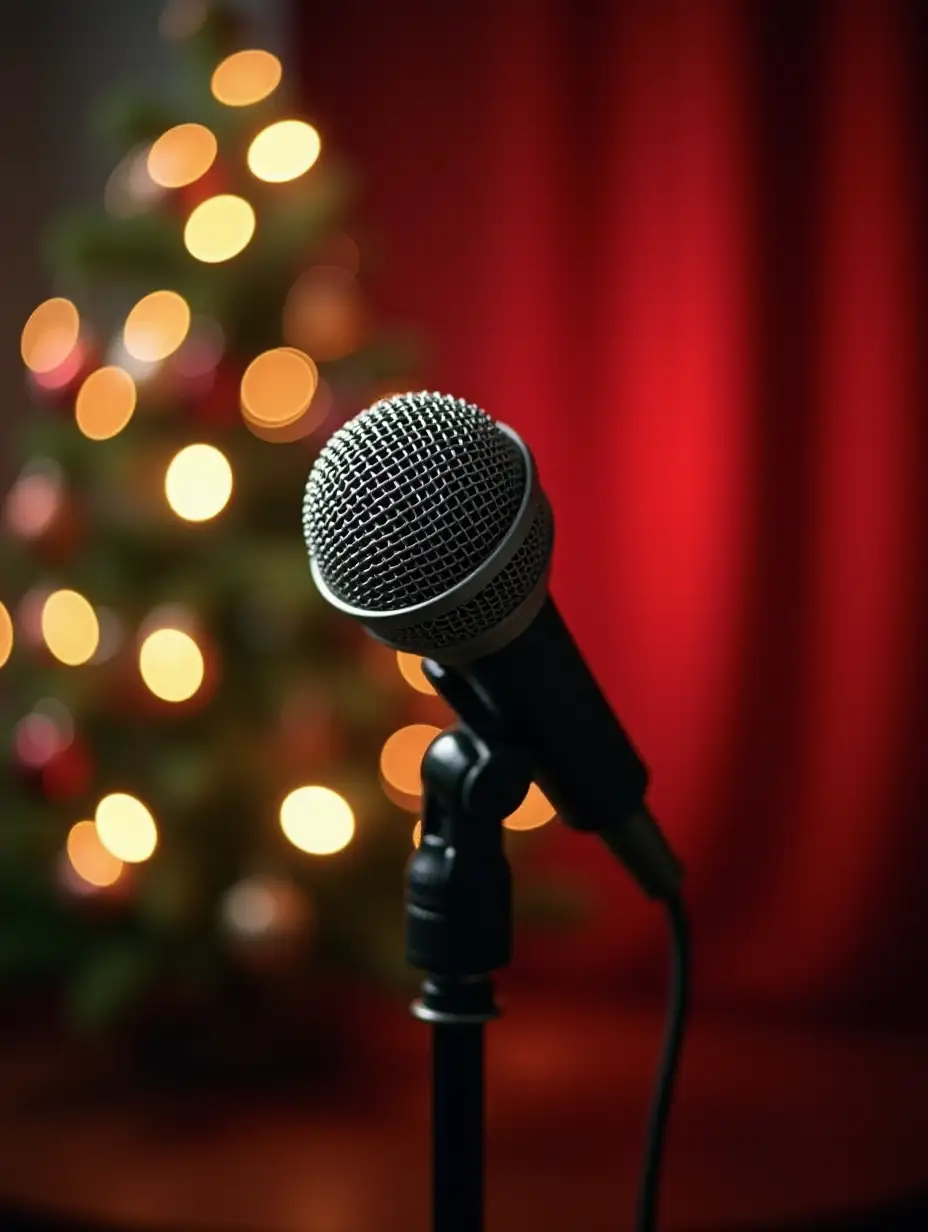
<point x="458" y="930"/>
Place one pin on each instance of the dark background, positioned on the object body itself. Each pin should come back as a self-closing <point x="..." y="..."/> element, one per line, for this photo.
<point x="681" y="248"/>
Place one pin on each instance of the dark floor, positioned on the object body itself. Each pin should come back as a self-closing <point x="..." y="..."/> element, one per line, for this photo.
<point x="910" y="1217"/>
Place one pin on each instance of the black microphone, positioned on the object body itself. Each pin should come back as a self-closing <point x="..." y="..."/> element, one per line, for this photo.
<point x="425" y="521"/>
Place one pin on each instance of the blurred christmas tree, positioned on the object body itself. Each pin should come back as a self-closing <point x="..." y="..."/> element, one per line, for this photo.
<point x="193" y="804"/>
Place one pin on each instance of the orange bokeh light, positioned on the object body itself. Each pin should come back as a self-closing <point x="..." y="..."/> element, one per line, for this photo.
<point x="50" y="335"/>
<point x="401" y="762"/>
<point x="105" y="403"/>
<point x="278" y="387"/>
<point x="182" y="155"/>
<point x="534" y="811"/>
<point x="246" y="77"/>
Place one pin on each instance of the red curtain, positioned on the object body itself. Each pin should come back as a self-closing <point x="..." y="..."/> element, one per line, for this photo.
<point x="680" y="247"/>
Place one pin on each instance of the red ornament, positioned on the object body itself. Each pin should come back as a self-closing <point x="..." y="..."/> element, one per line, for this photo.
<point x="59" y="386"/>
<point x="217" y="401"/>
<point x="69" y="773"/>
<point x="211" y="183"/>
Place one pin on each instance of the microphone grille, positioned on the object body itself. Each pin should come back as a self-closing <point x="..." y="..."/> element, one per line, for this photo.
<point x="408" y="498"/>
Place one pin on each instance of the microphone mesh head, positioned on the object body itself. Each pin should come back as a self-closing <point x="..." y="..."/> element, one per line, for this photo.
<point x="407" y="500"/>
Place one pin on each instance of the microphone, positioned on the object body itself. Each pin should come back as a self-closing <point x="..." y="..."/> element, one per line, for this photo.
<point x="425" y="521"/>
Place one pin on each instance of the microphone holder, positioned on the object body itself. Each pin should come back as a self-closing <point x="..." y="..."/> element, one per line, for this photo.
<point x="459" y="930"/>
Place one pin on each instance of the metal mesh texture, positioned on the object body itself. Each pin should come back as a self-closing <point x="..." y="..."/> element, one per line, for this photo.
<point x="408" y="498"/>
<point x="501" y="595"/>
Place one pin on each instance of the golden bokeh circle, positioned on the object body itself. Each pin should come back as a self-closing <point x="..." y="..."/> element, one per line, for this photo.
<point x="70" y="627"/>
<point x="278" y="386"/>
<point x="49" y="335"/>
<point x="171" y="664"/>
<point x="105" y="402"/>
<point x="181" y="155"/>
<point x="198" y="482"/>
<point x="219" y="228"/>
<point x="126" y="828"/>
<point x="317" y="820"/>
<point x="156" y="326"/>
<point x="534" y="811"/>
<point x="246" y="77"/>
<point x="91" y="861"/>
<point x="283" y="151"/>
<point x="6" y="634"/>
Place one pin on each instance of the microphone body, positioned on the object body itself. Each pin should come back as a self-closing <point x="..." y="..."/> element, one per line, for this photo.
<point x="544" y="698"/>
<point x="425" y="521"/>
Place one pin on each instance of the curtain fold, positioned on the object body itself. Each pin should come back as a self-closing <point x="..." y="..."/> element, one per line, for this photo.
<point x="680" y="248"/>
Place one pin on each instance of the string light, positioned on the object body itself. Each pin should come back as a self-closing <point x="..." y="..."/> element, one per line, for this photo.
<point x="417" y="834"/>
<point x="126" y="828"/>
<point x="89" y="858"/>
<point x="198" y="482"/>
<point x="182" y="155"/>
<point x="219" y="228"/>
<point x="105" y="403"/>
<point x="317" y="820"/>
<point x="534" y="811"/>
<point x="401" y="762"/>
<point x="171" y="664"/>
<point x="410" y="666"/>
<point x="6" y="634"/>
<point x="283" y="151"/>
<point x="315" y="414"/>
<point x="35" y="498"/>
<point x="246" y="77"/>
<point x="50" y="335"/>
<point x="156" y="326"/>
<point x="70" y="627"/>
<point x="277" y="387"/>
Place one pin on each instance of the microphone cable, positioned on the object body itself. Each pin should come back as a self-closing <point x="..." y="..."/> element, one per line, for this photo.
<point x="649" y="1184"/>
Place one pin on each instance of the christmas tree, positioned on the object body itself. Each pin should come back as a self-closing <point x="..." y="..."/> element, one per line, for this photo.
<point x="209" y="770"/>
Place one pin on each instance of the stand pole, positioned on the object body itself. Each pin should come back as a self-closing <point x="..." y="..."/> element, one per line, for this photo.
<point x="457" y="1126"/>
<point x="459" y="928"/>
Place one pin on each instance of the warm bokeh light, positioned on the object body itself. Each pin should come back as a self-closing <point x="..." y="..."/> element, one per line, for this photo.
<point x="105" y="403"/>
<point x="50" y="335"/>
<point x="35" y="498"/>
<point x="70" y="627"/>
<point x="401" y="760"/>
<point x="317" y="820"/>
<point x="534" y="811"/>
<point x="198" y="482"/>
<point x="410" y="666"/>
<point x="182" y="155"/>
<point x="126" y="828"/>
<point x="219" y="228"/>
<point x="324" y="313"/>
<point x="246" y="77"/>
<point x="298" y="429"/>
<point x="171" y="664"/>
<point x="89" y="858"/>
<point x="156" y="326"/>
<point x="6" y="634"/>
<point x="283" y="151"/>
<point x="278" y="386"/>
<point x="417" y="834"/>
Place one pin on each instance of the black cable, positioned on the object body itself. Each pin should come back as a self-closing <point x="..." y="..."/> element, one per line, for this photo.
<point x="649" y="1186"/>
